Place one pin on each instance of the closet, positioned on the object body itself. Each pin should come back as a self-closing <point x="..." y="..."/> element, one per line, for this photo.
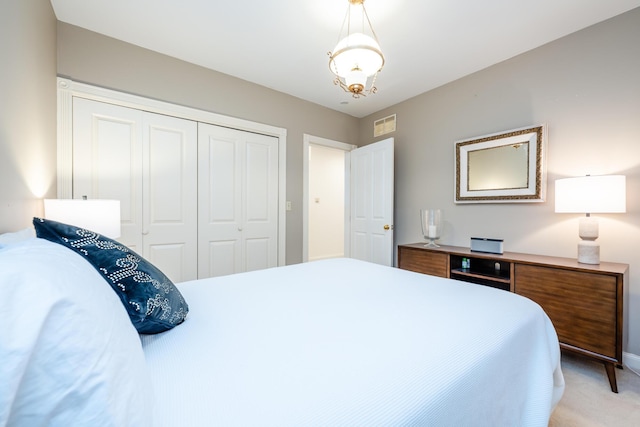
<point x="148" y="162"/>
<point x="237" y="203"/>
<point x="197" y="199"/>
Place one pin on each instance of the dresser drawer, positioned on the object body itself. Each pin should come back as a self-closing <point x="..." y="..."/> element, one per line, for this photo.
<point x="420" y="261"/>
<point x="582" y="306"/>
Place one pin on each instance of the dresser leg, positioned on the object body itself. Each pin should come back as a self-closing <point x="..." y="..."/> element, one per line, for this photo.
<point x="611" y="373"/>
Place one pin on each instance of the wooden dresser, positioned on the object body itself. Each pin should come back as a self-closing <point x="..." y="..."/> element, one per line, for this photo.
<point x="584" y="302"/>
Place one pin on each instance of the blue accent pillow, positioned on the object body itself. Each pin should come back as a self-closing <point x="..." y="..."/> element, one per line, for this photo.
<point x="153" y="302"/>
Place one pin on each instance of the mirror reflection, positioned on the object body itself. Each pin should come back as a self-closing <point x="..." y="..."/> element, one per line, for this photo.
<point x="505" y="167"/>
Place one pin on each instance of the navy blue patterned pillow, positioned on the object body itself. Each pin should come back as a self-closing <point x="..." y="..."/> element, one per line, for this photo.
<point x="153" y="302"/>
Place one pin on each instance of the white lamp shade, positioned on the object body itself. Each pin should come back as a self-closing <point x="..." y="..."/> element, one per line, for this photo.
<point x="357" y="51"/>
<point x="100" y="216"/>
<point x="591" y="194"/>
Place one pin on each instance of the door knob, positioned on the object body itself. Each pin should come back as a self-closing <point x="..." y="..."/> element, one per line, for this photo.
<point x="386" y="227"/>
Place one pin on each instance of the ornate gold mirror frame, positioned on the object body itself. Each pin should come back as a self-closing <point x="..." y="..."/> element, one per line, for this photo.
<point x="504" y="167"/>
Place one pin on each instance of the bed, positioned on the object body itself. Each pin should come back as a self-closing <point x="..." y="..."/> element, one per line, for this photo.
<point x="326" y="343"/>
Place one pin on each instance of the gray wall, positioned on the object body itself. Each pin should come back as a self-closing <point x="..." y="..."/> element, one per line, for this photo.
<point x="586" y="88"/>
<point x="92" y="58"/>
<point x="27" y="110"/>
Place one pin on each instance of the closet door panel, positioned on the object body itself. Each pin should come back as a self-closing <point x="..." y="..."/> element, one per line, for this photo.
<point x="107" y="153"/>
<point x="258" y="253"/>
<point x="257" y="179"/>
<point x="223" y="257"/>
<point x="224" y="181"/>
<point x="166" y="174"/>
<point x="170" y="222"/>
<point x="219" y="201"/>
<point x="237" y="201"/>
<point x="170" y="259"/>
<point x="261" y="201"/>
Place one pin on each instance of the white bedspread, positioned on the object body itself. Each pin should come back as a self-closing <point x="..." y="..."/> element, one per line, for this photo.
<point x="344" y="342"/>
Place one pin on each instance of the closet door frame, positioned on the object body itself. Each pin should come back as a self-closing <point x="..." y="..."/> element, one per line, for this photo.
<point x="68" y="89"/>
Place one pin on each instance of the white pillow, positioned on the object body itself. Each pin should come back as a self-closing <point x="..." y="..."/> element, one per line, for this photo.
<point x="18" y="236"/>
<point x="70" y="355"/>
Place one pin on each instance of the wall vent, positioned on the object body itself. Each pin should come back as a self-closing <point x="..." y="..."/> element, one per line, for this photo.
<point x="384" y="126"/>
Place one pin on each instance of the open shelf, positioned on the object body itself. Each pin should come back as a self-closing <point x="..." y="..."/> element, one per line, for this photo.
<point x="500" y="277"/>
<point x="482" y="271"/>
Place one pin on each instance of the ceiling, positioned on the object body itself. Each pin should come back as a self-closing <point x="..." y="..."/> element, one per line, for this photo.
<point x="283" y="44"/>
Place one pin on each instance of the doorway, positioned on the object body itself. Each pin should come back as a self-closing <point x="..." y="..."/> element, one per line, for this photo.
<point x="325" y="198"/>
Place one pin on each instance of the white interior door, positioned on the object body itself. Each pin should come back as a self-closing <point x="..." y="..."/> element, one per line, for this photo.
<point x="372" y="180"/>
<point x="238" y="201"/>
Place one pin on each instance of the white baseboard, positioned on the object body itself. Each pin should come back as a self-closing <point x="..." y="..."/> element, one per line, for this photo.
<point x="317" y="258"/>
<point x="632" y="361"/>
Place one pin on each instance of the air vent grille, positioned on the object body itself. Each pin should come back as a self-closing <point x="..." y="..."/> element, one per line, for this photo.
<point x="384" y="126"/>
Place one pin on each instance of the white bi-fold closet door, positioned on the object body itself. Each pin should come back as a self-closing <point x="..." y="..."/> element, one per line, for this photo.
<point x="148" y="162"/>
<point x="197" y="200"/>
<point x="238" y="201"/>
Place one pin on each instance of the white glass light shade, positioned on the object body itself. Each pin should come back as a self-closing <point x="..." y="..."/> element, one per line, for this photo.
<point x="356" y="81"/>
<point x="591" y="194"/>
<point x="100" y="216"/>
<point x="356" y="51"/>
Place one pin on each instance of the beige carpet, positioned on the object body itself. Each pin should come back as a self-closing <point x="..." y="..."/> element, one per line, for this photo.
<point x="588" y="400"/>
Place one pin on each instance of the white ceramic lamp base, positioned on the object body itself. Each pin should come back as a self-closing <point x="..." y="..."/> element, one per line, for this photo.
<point x="588" y="249"/>
<point x="588" y="252"/>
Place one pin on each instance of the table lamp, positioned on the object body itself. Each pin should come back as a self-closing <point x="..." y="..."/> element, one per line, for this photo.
<point x="97" y="215"/>
<point x="590" y="194"/>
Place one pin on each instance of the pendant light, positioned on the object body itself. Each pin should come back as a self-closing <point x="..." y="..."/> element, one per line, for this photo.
<point x="357" y="59"/>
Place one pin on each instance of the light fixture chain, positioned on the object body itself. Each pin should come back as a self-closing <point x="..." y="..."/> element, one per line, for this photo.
<point x="375" y="37"/>
<point x="346" y="20"/>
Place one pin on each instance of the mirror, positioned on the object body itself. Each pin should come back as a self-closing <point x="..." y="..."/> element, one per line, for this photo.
<point x="501" y="168"/>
